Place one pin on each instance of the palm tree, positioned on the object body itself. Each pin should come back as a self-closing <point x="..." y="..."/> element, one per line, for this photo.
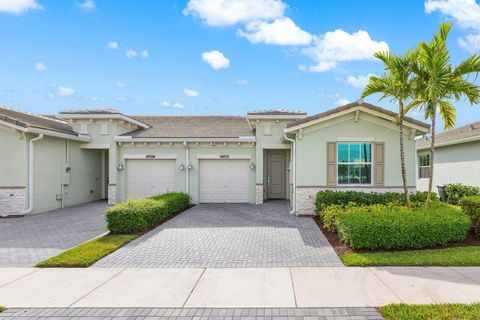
<point x="437" y="83"/>
<point x="395" y="84"/>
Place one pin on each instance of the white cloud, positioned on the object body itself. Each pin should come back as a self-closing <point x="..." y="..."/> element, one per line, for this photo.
<point x="190" y="93"/>
<point x="168" y="104"/>
<point x="342" y="101"/>
<point x="120" y="85"/>
<point x="40" y="67"/>
<point x="112" y="45"/>
<point x="337" y="46"/>
<point x="282" y="31"/>
<point x="241" y="82"/>
<point x="230" y="12"/>
<point x="358" y="81"/>
<point x="87" y="5"/>
<point x="466" y="13"/>
<point x="65" y="91"/>
<point x="216" y="59"/>
<point x="144" y="54"/>
<point x="129" y="53"/>
<point x="19" y="6"/>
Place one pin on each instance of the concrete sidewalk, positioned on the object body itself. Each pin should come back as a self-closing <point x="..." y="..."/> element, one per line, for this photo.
<point x="236" y="288"/>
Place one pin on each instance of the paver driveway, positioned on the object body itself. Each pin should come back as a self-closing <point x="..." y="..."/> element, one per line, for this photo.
<point x="28" y="240"/>
<point x="229" y="236"/>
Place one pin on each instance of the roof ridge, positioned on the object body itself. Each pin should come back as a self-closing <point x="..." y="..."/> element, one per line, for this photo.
<point x="34" y="115"/>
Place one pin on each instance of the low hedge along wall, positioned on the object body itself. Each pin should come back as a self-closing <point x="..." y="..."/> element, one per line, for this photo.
<point x="389" y="227"/>
<point x="471" y="207"/>
<point x="133" y="216"/>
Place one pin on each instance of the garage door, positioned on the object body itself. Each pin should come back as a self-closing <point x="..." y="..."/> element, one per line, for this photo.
<point x="149" y="177"/>
<point x="224" y="181"/>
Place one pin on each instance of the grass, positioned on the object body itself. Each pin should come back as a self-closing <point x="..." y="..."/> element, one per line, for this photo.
<point x="457" y="256"/>
<point x="2" y="308"/>
<point x="88" y="253"/>
<point x="431" y="312"/>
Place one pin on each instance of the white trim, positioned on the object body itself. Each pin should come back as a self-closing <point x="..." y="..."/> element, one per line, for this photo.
<point x="94" y="146"/>
<point x="46" y="132"/>
<point x="355" y="139"/>
<point x="447" y="143"/>
<point x="275" y="117"/>
<point x="276" y="146"/>
<point x="222" y="156"/>
<point x="148" y="156"/>
<point x="143" y="139"/>
<point x="103" y="116"/>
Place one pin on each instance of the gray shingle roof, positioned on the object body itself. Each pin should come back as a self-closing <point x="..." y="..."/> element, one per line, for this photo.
<point x="90" y="111"/>
<point x="352" y="105"/>
<point x="26" y="120"/>
<point x="467" y="131"/>
<point x="276" y="112"/>
<point x="193" y="127"/>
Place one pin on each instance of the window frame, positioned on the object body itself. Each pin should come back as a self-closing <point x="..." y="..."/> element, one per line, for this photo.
<point x="423" y="167"/>
<point x="371" y="163"/>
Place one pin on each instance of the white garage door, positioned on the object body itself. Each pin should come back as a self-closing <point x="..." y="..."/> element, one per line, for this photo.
<point x="224" y="181"/>
<point x="150" y="177"/>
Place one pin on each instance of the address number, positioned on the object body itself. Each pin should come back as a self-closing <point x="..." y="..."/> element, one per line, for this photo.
<point x="150" y="156"/>
<point x="224" y="156"/>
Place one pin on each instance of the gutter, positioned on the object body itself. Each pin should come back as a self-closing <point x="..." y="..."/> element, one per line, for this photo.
<point x="294" y="174"/>
<point x="31" y="174"/>
<point x="129" y="139"/>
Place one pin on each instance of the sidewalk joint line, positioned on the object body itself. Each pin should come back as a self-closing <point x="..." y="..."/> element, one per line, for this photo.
<point x="293" y="288"/>
<point x="191" y="291"/>
<point x="385" y="284"/>
<point x="24" y="276"/>
<point x="464" y="276"/>
<point x="97" y="287"/>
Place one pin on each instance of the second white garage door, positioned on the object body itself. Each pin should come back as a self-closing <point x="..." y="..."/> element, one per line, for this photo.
<point x="150" y="177"/>
<point x="224" y="181"/>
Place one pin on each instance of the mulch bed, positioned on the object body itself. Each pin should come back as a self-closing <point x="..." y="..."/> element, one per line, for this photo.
<point x="341" y="248"/>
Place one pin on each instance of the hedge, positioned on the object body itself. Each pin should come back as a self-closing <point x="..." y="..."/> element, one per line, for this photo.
<point x="133" y="216"/>
<point x="456" y="191"/>
<point x="390" y="227"/>
<point x="327" y="198"/>
<point x="471" y="207"/>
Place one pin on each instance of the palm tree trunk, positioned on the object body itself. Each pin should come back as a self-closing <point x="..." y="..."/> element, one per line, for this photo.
<point x="432" y="154"/>
<point x="402" y="157"/>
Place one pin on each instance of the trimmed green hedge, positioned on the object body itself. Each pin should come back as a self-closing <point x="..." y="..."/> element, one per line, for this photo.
<point x="133" y="216"/>
<point x="471" y="207"/>
<point x="456" y="191"/>
<point x="327" y="198"/>
<point x="391" y="227"/>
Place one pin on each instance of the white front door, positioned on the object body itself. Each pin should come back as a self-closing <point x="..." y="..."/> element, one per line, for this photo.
<point x="224" y="181"/>
<point x="150" y="177"/>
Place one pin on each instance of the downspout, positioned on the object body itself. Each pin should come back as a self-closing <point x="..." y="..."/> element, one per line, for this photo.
<point x="294" y="174"/>
<point x="31" y="174"/>
<point x="187" y="164"/>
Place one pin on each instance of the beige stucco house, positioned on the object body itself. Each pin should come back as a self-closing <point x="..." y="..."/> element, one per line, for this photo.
<point x="457" y="157"/>
<point x="85" y="155"/>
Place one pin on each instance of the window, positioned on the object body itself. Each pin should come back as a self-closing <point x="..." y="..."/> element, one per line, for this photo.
<point x="354" y="163"/>
<point x="424" y="166"/>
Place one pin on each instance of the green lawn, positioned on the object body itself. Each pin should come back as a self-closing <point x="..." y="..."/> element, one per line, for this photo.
<point x="2" y="309"/>
<point x="89" y="252"/>
<point x="460" y="256"/>
<point x="431" y="312"/>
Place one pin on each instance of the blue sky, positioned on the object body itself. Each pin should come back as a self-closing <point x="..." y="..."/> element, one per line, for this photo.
<point x="190" y="57"/>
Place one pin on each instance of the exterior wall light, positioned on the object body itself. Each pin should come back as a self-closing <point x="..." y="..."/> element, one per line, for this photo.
<point x="252" y="165"/>
<point x="190" y="167"/>
<point x="181" y="167"/>
<point x="120" y="167"/>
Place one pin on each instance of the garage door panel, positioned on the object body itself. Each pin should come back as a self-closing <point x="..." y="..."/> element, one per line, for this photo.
<point x="150" y="177"/>
<point x="224" y="181"/>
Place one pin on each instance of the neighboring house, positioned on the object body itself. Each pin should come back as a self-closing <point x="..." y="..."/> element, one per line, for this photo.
<point x="86" y="155"/>
<point x="457" y="157"/>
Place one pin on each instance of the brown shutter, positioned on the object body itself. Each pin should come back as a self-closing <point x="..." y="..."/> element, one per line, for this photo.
<point x="379" y="167"/>
<point x="331" y="164"/>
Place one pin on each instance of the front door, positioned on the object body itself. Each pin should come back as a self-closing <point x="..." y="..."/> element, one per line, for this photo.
<point x="276" y="177"/>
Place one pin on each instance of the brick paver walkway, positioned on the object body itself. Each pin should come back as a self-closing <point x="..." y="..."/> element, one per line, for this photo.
<point x="229" y="236"/>
<point x="191" y="314"/>
<point x="25" y="241"/>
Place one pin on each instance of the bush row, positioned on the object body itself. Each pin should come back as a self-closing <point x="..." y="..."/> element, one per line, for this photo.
<point x="471" y="206"/>
<point x="456" y="191"/>
<point x="133" y="216"/>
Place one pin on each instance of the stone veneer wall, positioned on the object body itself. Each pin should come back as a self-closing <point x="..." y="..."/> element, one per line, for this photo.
<point x="112" y="193"/>
<point x="259" y="194"/>
<point x="12" y="200"/>
<point x="305" y="204"/>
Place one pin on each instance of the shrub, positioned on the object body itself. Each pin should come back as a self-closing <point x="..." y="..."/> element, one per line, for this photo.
<point x="393" y="227"/>
<point x="471" y="206"/>
<point x="456" y="191"/>
<point x="134" y="216"/>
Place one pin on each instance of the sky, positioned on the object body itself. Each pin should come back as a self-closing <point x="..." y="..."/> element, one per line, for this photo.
<point x="214" y="57"/>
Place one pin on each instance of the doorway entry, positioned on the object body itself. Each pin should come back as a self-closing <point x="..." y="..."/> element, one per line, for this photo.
<point x="276" y="174"/>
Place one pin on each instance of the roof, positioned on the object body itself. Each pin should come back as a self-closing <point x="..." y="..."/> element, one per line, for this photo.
<point x="351" y="106"/>
<point x="30" y="120"/>
<point x="276" y="112"/>
<point x="90" y="111"/>
<point x="471" y="130"/>
<point x="192" y="127"/>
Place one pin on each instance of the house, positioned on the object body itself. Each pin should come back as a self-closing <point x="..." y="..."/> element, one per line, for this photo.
<point x="457" y="157"/>
<point x="83" y="155"/>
